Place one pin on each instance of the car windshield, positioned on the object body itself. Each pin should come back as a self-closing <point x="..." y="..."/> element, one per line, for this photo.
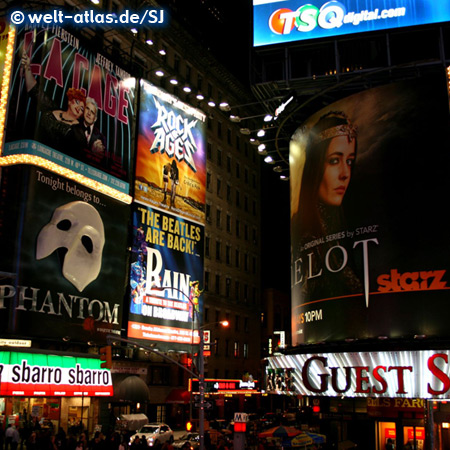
<point x="148" y="429"/>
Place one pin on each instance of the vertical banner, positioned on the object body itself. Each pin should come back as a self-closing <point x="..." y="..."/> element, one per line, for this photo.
<point x="64" y="260"/>
<point x="165" y="279"/>
<point x="369" y="228"/>
<point x="171" y="159"/>
<point x="71" y="106"/>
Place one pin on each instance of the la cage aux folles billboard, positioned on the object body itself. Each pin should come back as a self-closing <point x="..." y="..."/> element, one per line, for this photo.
<point x="64" y="260"/>
<point x="70" y="106"/>
<point x="282" y="21"/>
<point x="171" y="156"/>
<point x="166" y="279"/>
<point x="369" y="229"/>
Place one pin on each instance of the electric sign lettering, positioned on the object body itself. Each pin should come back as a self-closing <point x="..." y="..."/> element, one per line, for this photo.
<point x="173" y="135"/>
<point x="331" y="15"/>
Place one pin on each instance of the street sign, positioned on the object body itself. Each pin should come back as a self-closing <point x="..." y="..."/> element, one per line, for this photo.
<point x="207" y="404"/>
<point x="240" y="417"/>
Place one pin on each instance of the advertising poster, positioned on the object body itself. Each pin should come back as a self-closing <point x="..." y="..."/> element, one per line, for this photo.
<point x="4" y="30"/>
<point x="171" y="156"/>
<point x="71" y="106"/>
<point x="64" y="259"/>
<point x="277" y="22"/>
<point x="369" y="230"/>
<point x="166" y="279"/>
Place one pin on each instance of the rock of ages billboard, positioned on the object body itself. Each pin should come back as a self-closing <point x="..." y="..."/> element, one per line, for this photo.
<point x="166" y="278"/>
<point x="170" y="161"/>
<point x="64" y="258"/>
<point x="369" y="228"/>
<point x="70" y="106"/>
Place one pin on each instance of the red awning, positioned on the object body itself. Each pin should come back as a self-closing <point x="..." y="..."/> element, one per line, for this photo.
<point x="178" y="395"/>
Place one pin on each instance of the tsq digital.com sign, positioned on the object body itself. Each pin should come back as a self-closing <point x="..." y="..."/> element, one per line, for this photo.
<point x="281" y="21"/>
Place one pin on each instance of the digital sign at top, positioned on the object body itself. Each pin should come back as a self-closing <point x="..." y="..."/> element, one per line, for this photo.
<point x="282" y="21"/>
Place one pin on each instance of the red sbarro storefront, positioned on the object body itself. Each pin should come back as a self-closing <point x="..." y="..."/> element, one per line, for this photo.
<point x="51" y="389"/>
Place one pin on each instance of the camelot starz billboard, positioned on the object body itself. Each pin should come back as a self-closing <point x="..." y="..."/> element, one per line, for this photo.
<point x="171" y="157"/>
<point x="282" y="21"/>
<point x="369" y="227"/>
<point x="70" y="107"/>
<point x="64" y="258"/>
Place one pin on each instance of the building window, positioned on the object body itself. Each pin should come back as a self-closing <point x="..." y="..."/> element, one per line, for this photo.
<point x="217" y="284"/>
<point x="246" y="324"/>
<point x="188" y="73"/>
<point x="200" y="84"/>
<point x="254" y="207"/>
<point x="228" y="223"/>
<point x="246" y="175"/>
<point x="216" y="352"/>
<point x="236" y="322"/>
<point x="209" y="150"/>
<point x="245" y="293"/>
<point x="254" y="265"/>
<point x="208" y="212"/>
<point x="246" y="149"/>
<point x="218" y="249"/>
<point x="219" y="129"/>
<point x="237" y="261"/>
<point x="246" y="232"/>
<point x="218" y="218"/>
<point x="207" y="245"/>
<point x="206" y="287"/>
<point x="227" y="287"/>
<point x="227" y="347"/>
<point x="238" y="198"/>
<point x="229" y="136"/>
<point x="236" y="349"/>
<point x="228" y="163"/>
<point x="238" y="144"/>
<point x="246" y="203"/>
<point x="254" y="180"/>
<point x="238" y="170"/>
<point x="176" y="63"/>
<point x="245" y="350"/>
<point x="228" y="254"/>
<point x="238" y="227"/>
<point x="228" y="193"/>
<point x="217" y="317"/>
<point x="219" y="157"/>
<point x="219" y="187"/>
<point x="208" y="181"/>
<point x="254" y="236"/>
<point x="246" y="262"/>
<point x="237" y="288"/>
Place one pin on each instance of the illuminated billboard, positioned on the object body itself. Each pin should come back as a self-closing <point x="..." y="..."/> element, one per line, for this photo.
<point x="369" y="236"/>
<point x="36" y="375"/>
<point x="165" y="279"/>
<point x="64" y="258"/>
<point x="70" y="110"/>
<point x="393" y="374"/>
<point x="282" y="21"/>
<point x="171" y="156"/>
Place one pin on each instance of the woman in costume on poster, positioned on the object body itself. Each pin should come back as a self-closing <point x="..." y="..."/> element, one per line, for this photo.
<point x="174" y="175"/>
<point x="55" y="127"/>
<point x="330" y="156"/>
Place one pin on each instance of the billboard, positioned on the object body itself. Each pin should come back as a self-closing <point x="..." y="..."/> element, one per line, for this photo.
<point x="393" y="374"/>
<point x="64" y="258"/>
<point x="165" y="278"/>
<point x="71" y="107"/>
<point x="36" y="375"/>
<point x="171" y="156"/>
<point x="282" y="21"/>
<point x="369" y="233"/>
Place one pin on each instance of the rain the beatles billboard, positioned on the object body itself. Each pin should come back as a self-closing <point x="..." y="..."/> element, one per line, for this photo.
<point x="171" y="156"/>
<point x="166" y="278"/>
<point x="71" y="107"/>
<point x="281" y="21"/>
<point x="370" y="244"/>
<point x="64" y="259"/>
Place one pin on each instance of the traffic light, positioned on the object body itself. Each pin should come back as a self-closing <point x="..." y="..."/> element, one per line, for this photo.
<point x="106" y="356"/>
<point x="188" y="426"/>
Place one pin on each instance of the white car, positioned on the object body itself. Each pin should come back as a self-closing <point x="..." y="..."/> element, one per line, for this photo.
<point x="154" y="432"/>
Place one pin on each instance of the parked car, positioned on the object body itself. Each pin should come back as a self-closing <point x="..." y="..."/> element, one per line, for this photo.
<point x="192" y="438"/>
<point x="154" y="432"/>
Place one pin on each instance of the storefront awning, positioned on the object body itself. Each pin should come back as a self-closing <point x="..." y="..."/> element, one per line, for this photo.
<point x="132" y="389"/>
<point x="178" y="395"/>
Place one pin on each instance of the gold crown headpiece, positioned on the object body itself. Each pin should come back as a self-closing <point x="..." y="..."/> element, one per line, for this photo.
<point x="339" y="130"/>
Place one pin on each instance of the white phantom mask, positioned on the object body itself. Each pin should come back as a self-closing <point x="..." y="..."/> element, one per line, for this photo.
<point x="77" y="227"/>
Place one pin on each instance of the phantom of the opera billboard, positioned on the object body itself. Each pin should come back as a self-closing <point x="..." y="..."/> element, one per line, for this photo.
<point x="64" y="258"/>
<point x="166" y="278"/>
<point x="171" y="158"/>
<point x="71" y="107"/>
<point x="369" y="229"/>
<point x="393" y="374"/>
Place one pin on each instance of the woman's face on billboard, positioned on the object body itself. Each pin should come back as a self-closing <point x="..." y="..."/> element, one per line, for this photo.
<point x="339" y="160"/>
